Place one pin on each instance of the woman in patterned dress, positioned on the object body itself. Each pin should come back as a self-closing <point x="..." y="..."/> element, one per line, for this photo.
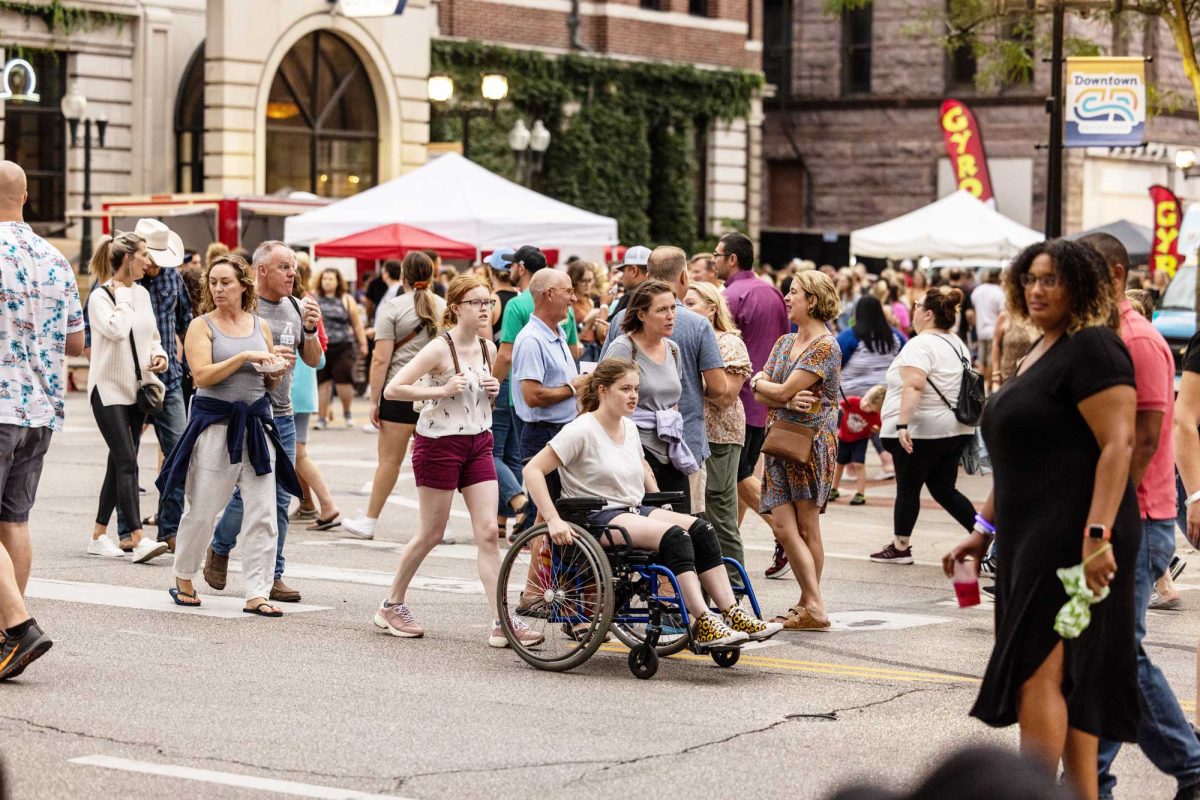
<point x="799" y="383"/>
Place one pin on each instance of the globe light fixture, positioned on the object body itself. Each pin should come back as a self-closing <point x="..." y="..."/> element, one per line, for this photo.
<point x="519" y="136"/>
<point x="539" y="137"/>
<point x="494" y="87"/>
<point x="440" y="88"/>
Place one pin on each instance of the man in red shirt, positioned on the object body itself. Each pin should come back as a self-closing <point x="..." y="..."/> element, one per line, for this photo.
<point x="1164" y="733"/>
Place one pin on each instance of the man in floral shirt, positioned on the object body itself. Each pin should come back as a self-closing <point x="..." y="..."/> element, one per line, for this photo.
<point x="41" y="322"/>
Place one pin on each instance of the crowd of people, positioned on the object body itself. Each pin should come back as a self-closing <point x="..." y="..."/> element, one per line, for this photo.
<point x="517" y="384"/>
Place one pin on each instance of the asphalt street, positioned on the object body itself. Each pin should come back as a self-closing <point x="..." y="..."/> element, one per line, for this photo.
<point x="141" y="699"/>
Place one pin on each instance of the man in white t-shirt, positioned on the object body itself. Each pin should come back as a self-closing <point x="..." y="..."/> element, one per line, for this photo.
<point x="988" y="300"/>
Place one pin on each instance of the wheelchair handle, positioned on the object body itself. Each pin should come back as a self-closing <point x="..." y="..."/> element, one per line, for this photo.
<point x="660" y="499"/>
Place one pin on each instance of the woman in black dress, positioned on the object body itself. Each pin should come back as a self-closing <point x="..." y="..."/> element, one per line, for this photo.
<point x="1060" y="434"/>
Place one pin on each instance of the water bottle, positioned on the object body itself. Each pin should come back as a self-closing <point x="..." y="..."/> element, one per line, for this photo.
<point x="288" y="337"/>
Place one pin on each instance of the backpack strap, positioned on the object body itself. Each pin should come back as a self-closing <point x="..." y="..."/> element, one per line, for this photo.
<point x="453" y="352"/>
<point x="296" y="305"/>
<point x="965" y="363"/>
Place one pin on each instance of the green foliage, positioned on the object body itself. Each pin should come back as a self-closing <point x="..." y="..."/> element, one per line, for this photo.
<point x="622" y="131"/>
<point x="63" y="19"/>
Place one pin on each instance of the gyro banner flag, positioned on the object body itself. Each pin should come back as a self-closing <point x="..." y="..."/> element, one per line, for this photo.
<point x="965" y="148"/>
<point x="1106" y="102"/>
<point x="1164" y="254"/>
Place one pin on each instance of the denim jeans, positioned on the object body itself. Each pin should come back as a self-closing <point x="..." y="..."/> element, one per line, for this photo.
<point x="168" y="427"/>
<point x="1164" y="734"/>
<point x="506" y="449"/>
<point x="231" y="521"/>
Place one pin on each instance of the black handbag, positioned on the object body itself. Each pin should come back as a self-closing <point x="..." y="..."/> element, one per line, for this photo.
<point x="150" y="393"/>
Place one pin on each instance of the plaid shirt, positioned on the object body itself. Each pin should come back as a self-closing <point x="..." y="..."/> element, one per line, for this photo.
<point x="173" y="312"/>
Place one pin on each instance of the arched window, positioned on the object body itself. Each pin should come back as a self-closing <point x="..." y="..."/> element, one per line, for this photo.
<point x="189" y="127"/>
<point x="322" y="124"/>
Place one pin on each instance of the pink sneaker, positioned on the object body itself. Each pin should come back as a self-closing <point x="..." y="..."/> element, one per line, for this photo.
<point x="525" y="635"/>
<point x="398" y="620"/>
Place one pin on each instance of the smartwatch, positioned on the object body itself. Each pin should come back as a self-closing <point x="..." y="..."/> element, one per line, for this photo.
<point x="313" y="332"/>
<point x="1098" y="532"/>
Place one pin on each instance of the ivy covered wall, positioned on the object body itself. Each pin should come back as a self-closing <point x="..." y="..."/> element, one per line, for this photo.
<point x="622" y="133"/>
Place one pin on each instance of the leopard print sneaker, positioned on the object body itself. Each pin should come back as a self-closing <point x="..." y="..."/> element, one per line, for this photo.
<point x="711" y="631"/>
<point x="738" y="619"/>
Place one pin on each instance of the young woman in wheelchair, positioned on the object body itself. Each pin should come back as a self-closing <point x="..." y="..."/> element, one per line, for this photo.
<point x="599" y="454"/>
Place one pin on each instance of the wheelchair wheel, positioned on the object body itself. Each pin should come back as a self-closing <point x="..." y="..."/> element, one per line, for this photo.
<point x="643" y="662"/>
<point x="633" y="634"/>
<point x="566" y="587"/>
<point x="726" y="658"/>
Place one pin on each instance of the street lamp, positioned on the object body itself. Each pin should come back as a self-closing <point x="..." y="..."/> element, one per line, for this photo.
<point x="493" y="88"/>
<point x="529" y="147"/>
<point x="74" y="108"/>
<point x="1185" y="160"/>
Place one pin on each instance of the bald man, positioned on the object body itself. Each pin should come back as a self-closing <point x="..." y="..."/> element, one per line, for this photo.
<point x="543" y="370"/>
<point x="42" y="323"/>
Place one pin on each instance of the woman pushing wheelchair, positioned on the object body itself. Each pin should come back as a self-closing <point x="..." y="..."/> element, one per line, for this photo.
<point x="599" y="455"/>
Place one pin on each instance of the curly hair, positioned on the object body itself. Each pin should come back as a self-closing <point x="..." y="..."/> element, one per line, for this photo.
<point x="1081" y="271"/>
<point x="244" y="276"/>
<point x="821" y="288"/>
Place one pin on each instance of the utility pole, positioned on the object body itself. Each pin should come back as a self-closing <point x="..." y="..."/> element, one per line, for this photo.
<point x="1054" y="107"/>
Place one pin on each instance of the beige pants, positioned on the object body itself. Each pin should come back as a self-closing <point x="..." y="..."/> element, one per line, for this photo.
<point x="697" y="482"/>
<point x="211" y="480"/>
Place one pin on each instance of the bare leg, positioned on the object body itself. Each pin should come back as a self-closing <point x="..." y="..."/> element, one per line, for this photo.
<point x="393" y="444"/>
<point x="481" y="499"/>
<point x="749" y="497"/>
<point x="837" y="476"/>
<point x="797" y="528"/>
<point x="1080" y="762"/>
<point x="1042" y="713"/>
<point x="860" y="479"/>
<point x="324" y="394"/>
<point x="434" y="513"/>
<point x="345" y="393"/>
<point x="1164" y="587"/>
<point x="310" y="474"/>
<point x="16" y="552"/>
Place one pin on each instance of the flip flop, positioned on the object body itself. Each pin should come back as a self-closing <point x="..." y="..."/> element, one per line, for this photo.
<point x="177" y="593"/>
<point x="258" y="609"/>
<point x="150" y="521"/>
<point x="326" y="524"/>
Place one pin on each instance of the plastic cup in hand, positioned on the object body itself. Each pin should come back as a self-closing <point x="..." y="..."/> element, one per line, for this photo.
<point x="966" y="584"/>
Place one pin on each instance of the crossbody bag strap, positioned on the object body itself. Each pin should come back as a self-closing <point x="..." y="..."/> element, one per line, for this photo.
<point x="137" y="367"/>
<point x="296" y="305"/>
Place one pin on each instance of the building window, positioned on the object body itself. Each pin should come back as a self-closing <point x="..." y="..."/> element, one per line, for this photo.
<point x="786" y="194"/>
<point x="777" y="46"/>
<point x="856" y="51"/>
<point x="961" y="66"/>
<point x="652" y="5"/>
<point x="322" y="122"/>
<point x="700" y="154"/>
<point x="189" y="127"/>
<point x="698" y="8"/>
<point x="35" y="137"/>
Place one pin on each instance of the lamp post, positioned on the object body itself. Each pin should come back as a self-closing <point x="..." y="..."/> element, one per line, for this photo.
<point x="529" y="147"/>
<point x="493" y="88"/>
<point x="74" y="108"/>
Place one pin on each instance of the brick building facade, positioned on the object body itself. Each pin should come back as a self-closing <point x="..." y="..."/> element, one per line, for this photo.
<point x="851" y="136"/>
<point x="708" y="33"/>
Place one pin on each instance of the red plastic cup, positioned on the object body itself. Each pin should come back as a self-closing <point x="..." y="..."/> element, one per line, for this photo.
<point x="966" y="584"/>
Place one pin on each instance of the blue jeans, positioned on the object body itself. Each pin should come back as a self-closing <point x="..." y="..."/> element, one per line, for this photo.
<point x="506" y="448"/>
<point x="1164" y="733"/>
<point x="230" y="525"/>
<point x="168" y="427"/>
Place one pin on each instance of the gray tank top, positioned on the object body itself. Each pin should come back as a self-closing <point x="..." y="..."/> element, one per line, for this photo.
<point x="247" y="384"/>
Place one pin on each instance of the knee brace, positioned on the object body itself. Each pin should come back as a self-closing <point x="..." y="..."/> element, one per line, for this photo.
<point x="675" y="551"/>
<point x="705" y="545"/>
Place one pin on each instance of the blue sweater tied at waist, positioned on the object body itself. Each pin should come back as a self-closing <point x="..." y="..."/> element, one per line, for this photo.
<point x="251" y="424"/>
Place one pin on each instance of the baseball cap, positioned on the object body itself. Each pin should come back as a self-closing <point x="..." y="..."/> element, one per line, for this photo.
<point x="500" y="259"/>
<point x="637" y="256"/>
<point x="533" y="258"/>
<point x="163" y="244"/>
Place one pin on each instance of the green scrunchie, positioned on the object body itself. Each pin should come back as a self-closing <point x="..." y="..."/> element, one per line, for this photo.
<point x="1076" y="614"/>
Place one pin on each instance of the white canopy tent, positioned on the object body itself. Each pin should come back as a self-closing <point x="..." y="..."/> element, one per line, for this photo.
<point x="458" y="199"/>
<point x="958" y="226"/>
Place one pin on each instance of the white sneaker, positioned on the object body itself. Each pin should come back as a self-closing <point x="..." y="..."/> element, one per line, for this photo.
<point x="884" y="475"/>
<point x="148" y="549"/>
<point x="448" y="538"/>
<point x="360" y="526"/>
<point x="369" y="428"/>
<point x="104" y="548"/>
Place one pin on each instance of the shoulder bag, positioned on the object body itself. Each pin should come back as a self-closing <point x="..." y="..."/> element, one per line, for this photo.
<point x="792" y="441"/>
<point x="426" y="381"/>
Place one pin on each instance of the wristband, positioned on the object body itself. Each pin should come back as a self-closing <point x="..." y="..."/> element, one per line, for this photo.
<point x="1192" y="498"/>
<point x="571" y="386"/>
<point x="313" y="332"/>
<point x="902" y="426"/>
<point x="983" y="526"/>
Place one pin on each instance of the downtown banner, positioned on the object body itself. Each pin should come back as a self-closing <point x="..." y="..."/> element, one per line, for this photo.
<point x="1164" y="253"/>
<point x="1105" y="102"/>
<point x="964" y="146"/>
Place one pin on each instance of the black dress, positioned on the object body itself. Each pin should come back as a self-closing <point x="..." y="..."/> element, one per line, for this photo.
<point x="1044" y="456"/>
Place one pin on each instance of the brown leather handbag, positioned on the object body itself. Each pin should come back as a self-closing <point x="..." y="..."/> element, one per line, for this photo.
<point x="790" y="441"/>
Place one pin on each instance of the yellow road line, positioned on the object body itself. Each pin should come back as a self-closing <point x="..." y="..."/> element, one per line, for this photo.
<point x="823" y="668"/>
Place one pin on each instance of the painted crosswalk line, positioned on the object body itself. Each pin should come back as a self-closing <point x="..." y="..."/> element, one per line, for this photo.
<point x="102" y="594"/>
<point x="238" y="780"/>
<point x="407" y="502"/>
<point x="366" y="577"/>
<point x="870" y="620"/>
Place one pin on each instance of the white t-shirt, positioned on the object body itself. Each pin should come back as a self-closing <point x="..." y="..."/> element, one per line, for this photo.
<point x="596" y="466"/>
<point x="940" y="358"/>
<point x="988" y="300"/>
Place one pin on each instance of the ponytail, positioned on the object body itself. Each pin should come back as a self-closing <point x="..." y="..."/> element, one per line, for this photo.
<point x="417" y="271"/>
<point x="606" y="373"/>
<point x="110" y="254"/>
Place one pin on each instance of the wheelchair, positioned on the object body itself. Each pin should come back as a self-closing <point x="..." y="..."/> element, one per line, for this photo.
<point x="597" y="584"/>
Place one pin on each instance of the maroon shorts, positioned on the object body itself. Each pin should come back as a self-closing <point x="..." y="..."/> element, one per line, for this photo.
<point x="453" y="462"/>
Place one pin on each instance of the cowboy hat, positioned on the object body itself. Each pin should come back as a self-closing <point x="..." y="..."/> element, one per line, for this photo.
<point x="163" y="244"/>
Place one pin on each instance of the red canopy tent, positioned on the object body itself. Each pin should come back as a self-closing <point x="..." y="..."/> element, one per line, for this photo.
<point x="392" y="241"/>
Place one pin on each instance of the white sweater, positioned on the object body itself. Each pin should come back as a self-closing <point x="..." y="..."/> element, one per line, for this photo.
<point x="111" y="369"/>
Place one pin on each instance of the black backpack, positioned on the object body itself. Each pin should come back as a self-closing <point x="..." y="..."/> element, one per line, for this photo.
<point x="971" y="394"/>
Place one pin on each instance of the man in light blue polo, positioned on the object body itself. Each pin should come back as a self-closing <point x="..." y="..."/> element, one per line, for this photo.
<point x="544" y="374"/>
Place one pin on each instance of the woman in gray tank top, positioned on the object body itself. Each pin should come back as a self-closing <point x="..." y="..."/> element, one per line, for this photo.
<point x="233" y="366"/>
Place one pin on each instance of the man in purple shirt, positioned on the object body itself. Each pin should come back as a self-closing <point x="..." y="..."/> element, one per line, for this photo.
<point x="760" y="314"/>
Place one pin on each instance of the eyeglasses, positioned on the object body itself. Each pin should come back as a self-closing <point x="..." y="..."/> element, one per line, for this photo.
<point x="1051" y="281"/>
<point x="719" y="255"/>
<point x="479" y="305"/>
<point x="552" y="289"/>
